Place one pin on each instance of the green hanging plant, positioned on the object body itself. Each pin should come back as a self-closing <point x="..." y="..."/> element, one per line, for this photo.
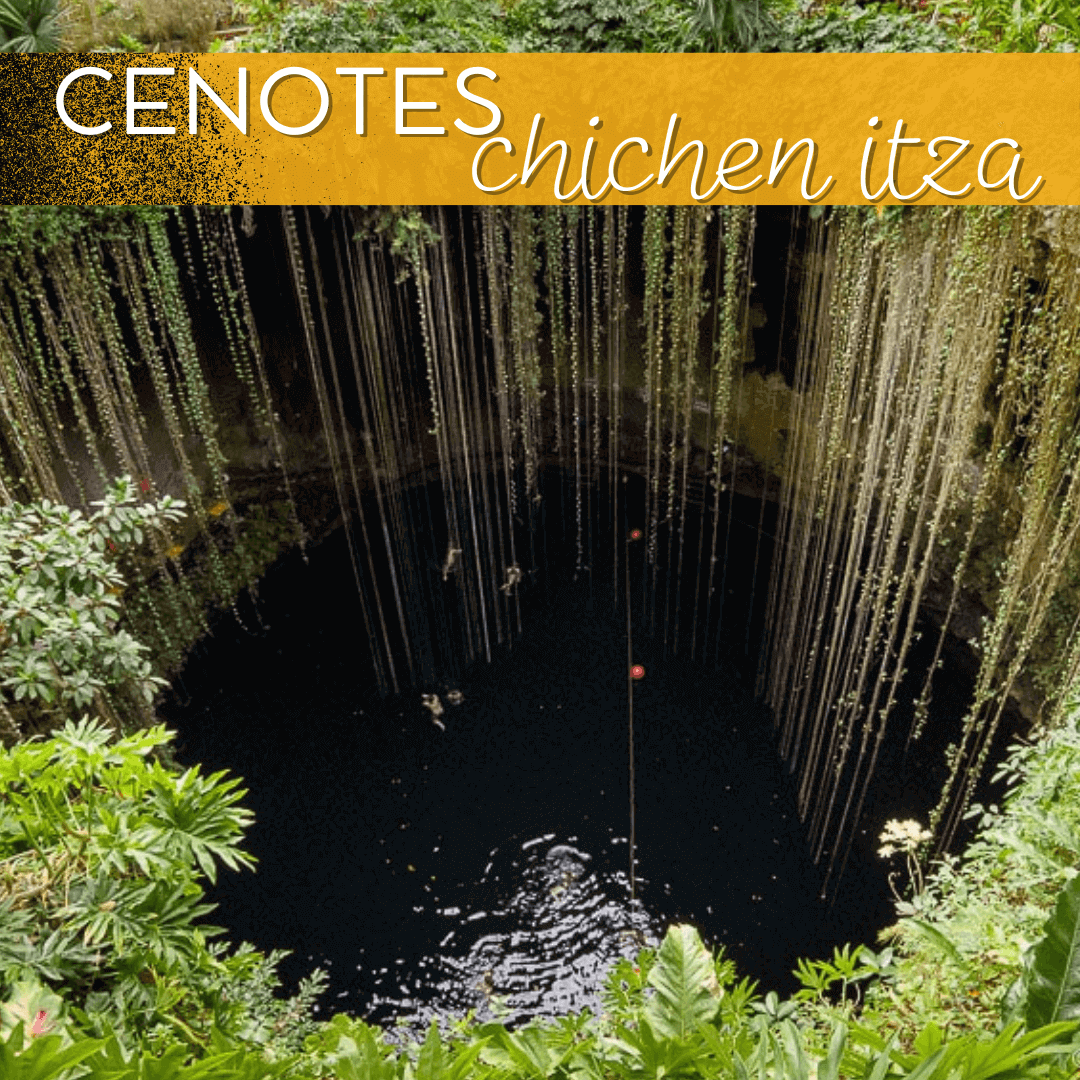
<point x="406" y="229"/>
<point x="29" y="26"/>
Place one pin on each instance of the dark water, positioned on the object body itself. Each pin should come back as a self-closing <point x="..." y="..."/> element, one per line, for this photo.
<point x="430" y="869"/>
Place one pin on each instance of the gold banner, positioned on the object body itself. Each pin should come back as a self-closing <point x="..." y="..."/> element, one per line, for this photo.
<point x="454" y="128"/>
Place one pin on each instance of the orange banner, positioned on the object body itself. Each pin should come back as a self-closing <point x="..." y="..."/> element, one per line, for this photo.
<point x="925" y="129"/>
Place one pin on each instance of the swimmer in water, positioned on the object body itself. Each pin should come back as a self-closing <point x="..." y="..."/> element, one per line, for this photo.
<point x="451" y="558"/>
<point x="432" y="702"/>
<point x="513" y="576"/>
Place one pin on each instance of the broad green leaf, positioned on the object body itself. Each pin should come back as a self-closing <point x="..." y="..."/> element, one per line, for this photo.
<point x="829" y="1069"/>
<point x="41" y="1058"/>
<point x="531" y="1052"/>
<point x="1007" y="1053"/>
<point x="362" y="1058"/>
<point x="431" y="1062"/>
<point x="789" y="1051"/>
<point x="465" y="1060"/>
<point x="684" y="978"/>
<point x="1052" y="982"/>
<point x="167" y="1066"/>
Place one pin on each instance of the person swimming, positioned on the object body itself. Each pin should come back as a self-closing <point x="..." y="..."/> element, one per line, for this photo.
<point x="432" y="702"/>
<point x="451" y="558"/>
<point x="513" y="576"/>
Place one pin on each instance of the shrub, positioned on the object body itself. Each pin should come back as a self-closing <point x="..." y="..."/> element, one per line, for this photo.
<point x="1015" y="25"/>
<point x="855" y="29"/>
<point x="102" y="855"/>
<point x="476" y="26"/>
<point x="60" y="600"/>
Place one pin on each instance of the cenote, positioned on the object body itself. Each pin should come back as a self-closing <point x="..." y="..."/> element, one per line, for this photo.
<point x="521" y="539"/>
<point x="430" y="868"/>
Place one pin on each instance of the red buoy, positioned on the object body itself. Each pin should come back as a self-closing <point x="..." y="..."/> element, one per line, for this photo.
<point x="637" y="672"/>
<point x="635" y="534"/>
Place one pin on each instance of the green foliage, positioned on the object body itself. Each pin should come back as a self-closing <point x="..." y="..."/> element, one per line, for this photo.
<point x="687" y="1035"/>
<point x="475" y="26"/>
<point x="26" y="1056"/>
<point x="43" y="1058"/>
<point x="404" y="227"/>
<point x="29" y="26"/>
<point x="101" y="851"/>
<point x="1052" y="981"/>
<point x="588" y="26"/>
<point x="856" y="29"/>
<point x="39" y="228"/>
<point x="624" y="985"/>
<point x="1008" y="1055"/>
<point x="130" y="44"/>
<point x="602" y="26"/>
<point x="735" y="25"/>
<point x="102" y="855"/>
<point x="687" y="990"/>
<point x="847" y="968"/>
<point x="965" y="944"/>
<point x="394" y="26"/>
<point x="60" y="590"/>
<point x="1013" y="25"/>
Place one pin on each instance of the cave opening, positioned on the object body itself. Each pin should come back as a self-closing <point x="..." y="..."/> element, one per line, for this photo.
<point x="431" y="868"/>
<point x="810" y="422"/>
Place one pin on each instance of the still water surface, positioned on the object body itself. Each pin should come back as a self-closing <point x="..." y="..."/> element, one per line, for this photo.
<point x="436" y="868"/>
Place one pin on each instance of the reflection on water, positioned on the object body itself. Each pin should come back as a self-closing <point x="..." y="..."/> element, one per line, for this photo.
<point x="543" y="925"/>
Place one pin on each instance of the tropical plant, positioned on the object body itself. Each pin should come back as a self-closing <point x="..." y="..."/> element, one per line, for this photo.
<point x="1009" y="1054"/>
<point x="1051" y="983"/>
<point x="1014" y="25"/>
<point x="846" y="970"/>
<point x="102" y="854"/>
<point x="60" y="601"/>
<point x="965" y="946"/>
<point x="851" y="28"/>
<point x="734" y="25"/>
<point x="28" y="26"/>
<point x="473" y="26"/>
<point x="25" y="1055"/>
<point x="664" y="1017"/>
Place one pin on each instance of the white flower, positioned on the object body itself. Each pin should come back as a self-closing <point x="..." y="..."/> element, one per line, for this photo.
<point x="902" y="836"/>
